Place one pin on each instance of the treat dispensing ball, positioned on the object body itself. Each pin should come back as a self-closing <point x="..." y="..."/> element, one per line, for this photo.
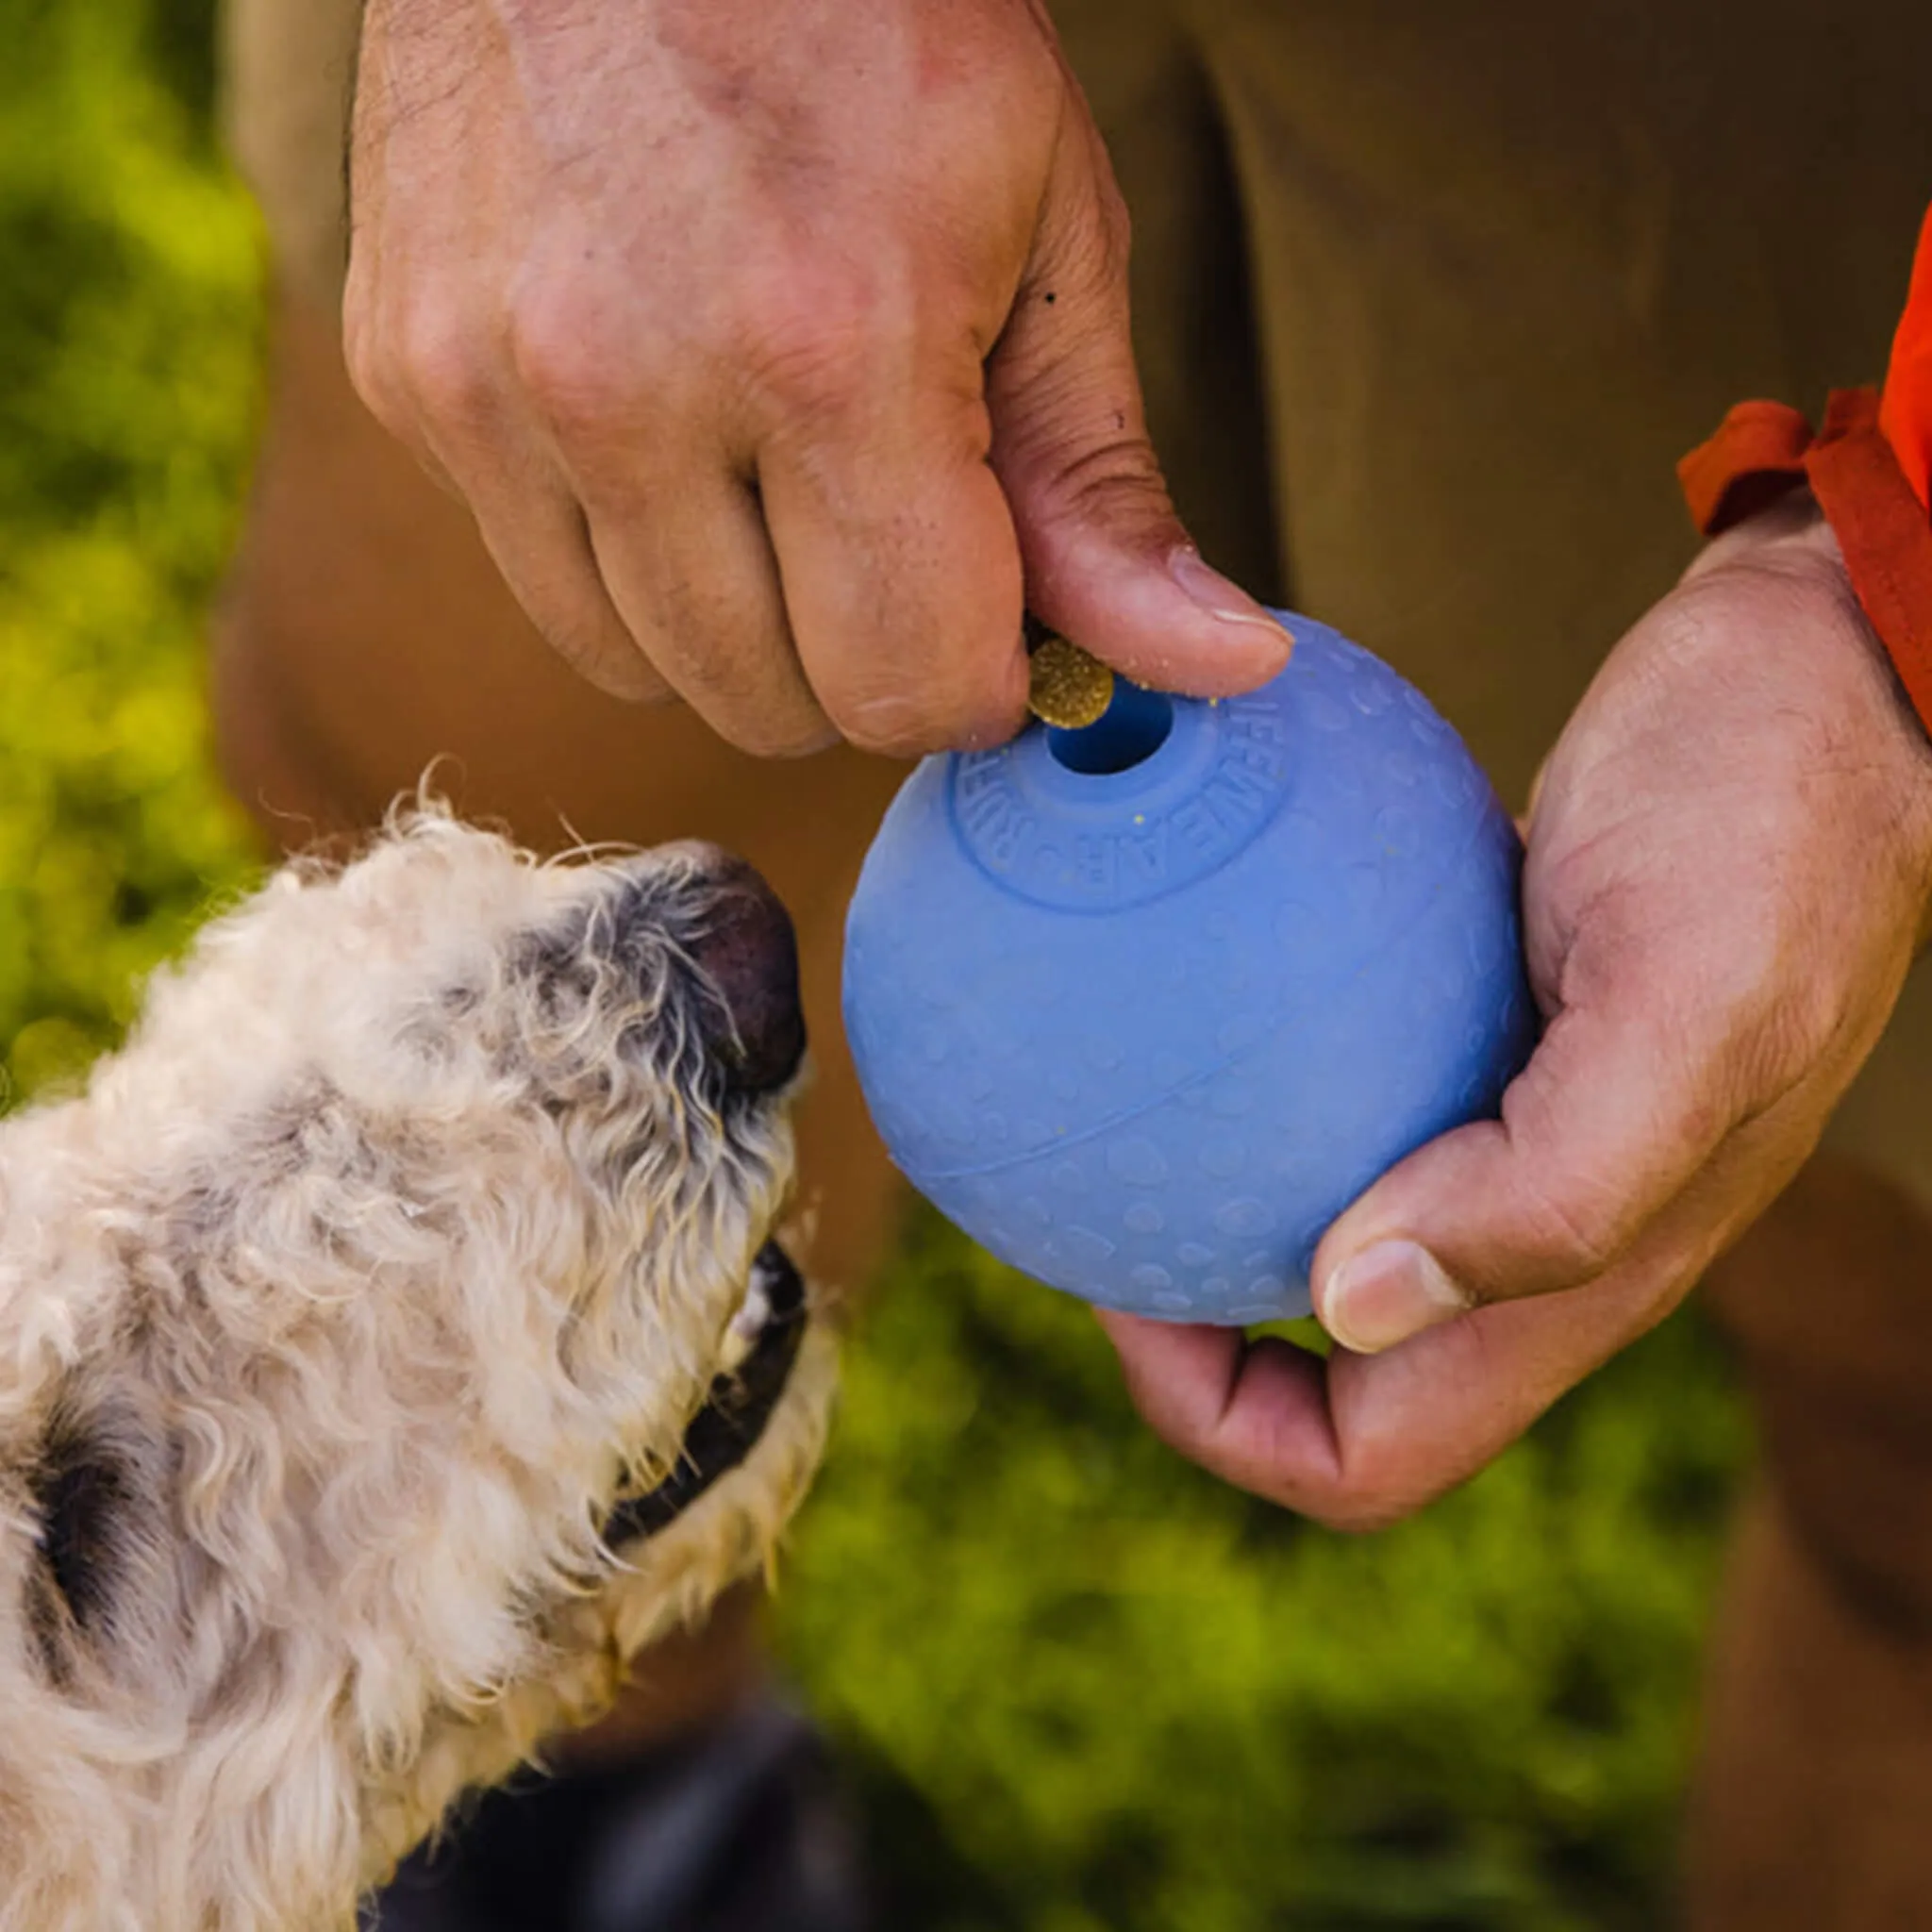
<point x="1142" y="1005"/>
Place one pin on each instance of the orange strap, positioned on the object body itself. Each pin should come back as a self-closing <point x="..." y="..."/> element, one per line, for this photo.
<point x="1871" y="469"/>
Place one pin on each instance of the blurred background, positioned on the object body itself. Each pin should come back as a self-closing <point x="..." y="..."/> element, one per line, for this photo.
<point x="1073" y="1684"/>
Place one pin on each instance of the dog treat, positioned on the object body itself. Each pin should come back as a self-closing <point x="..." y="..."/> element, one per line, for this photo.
<point x="1071" y="687"/>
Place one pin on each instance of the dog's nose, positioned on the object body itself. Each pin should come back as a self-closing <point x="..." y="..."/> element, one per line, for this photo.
<point x="750" y="953"/>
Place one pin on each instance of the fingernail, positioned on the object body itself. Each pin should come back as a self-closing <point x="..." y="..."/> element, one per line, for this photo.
<point x="1387" y="1293"/>
<point x="1212" y="591"/>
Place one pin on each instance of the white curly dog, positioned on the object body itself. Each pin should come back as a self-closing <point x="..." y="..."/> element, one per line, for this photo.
<point x="392" y="1343"/>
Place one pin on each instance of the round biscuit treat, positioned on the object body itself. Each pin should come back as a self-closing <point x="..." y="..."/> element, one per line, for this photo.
<point x="1069" y="687"/>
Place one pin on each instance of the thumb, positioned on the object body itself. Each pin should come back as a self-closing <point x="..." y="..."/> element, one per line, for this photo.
<point x="1107" y="562"/>
<point x="1600" y="1133"/>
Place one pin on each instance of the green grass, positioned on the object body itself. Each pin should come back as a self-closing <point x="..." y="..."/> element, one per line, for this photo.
<point x="1077" y="1684"/>
<point x="1121" y="1695"/>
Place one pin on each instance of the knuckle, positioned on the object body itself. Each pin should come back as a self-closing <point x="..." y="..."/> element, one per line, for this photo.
<point x="442" y="365"/>
<point x="1580" y="1232"/>
<point x="358" y="308"/>
<point x="1094" y="240"/>
<point x="809" y="370"/>
<point x="1113" y="227"/>
<point x="1815" y="1016"/>
<point x="1114" y="482"/>
<point x="1361" y="1507"/>
<point x="371" y="371"/>
<point x="1575" y="1213"/>
<point x="814" y="346"/>
<point x="1376" y="1486"/>
<point x="566" y="363"/>
<point x="1356" y="1515"/>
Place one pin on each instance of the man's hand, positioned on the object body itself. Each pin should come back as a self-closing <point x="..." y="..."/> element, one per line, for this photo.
<point x="1730" y="855"/>
<point x="775" y="344"/>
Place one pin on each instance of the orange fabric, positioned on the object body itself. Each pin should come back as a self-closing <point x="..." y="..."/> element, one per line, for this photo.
<point x="1871" y="469"/>
<point x="1762" y="449"/>
<point x="1757" y="451"/>
<point x="1884" y="531"/>
<point x="1905" y="415"/>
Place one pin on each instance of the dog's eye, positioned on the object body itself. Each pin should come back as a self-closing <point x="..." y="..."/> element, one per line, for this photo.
<point x="81" y="1490"/>
<point x="558" y="964"/>
<point x="459" y="1001"/>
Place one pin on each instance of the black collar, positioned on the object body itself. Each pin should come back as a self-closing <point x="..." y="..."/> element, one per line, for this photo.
<point x="723" y="1432"/>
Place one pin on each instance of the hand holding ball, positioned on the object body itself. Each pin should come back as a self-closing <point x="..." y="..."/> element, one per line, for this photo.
<point x="1143" y="1005"/>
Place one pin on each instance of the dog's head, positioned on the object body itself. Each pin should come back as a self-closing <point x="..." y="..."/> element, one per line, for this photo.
<point x="391" y="1339"/>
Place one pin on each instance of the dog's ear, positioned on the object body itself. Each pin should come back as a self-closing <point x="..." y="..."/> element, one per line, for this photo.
<point x="80" y="1486"/>
<point x="86" y="1499"/>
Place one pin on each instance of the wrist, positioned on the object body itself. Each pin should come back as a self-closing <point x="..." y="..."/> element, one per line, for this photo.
<point x="1791" y="542"/>
<point x="1763" y="450"/>
<point x="1787" y="603"/>
<point x="1790" y="526"/>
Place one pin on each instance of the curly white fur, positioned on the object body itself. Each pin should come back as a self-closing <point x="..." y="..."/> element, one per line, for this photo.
<point x="406" y="1235"/>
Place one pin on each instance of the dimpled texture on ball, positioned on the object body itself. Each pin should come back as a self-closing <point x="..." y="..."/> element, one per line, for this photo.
<point x="1145" y="1034"/>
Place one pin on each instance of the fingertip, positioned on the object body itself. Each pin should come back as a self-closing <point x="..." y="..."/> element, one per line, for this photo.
<point x="1173" y="1369"/>
<point x="1129" y="1333"/>
<point x="1143" y="1332"/>
<point x="910" y="650"/>
<point x="1221" y="597"/>
<point x="901" y="724"/>
<point x="1236" y="642"/>
<point x="780" y="737"/>
<point x="1590" y="1148"/>
<point x="1163" y="617"/>
<point x="809" y="744"/>
<point x="966" y="694"/>
<point x="1179" y="1379"/>
<point x="1004" y="714"/>
<point x="1385" y="1292"/>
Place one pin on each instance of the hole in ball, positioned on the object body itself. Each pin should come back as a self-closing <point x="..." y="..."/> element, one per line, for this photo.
<point x="1132" y="728"/>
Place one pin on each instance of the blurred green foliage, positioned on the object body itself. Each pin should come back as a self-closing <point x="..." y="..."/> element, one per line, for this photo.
<point x="1089" y="1688"/>
<point x="1079" y="1685"/>
<point x="129" y="315"/>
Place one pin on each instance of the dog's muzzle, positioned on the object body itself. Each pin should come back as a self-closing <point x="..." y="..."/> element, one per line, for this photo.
<point x="726" y="1430"/>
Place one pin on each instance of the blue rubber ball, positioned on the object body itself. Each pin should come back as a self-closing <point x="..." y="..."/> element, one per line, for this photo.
<point x="1142" y="1008"/>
